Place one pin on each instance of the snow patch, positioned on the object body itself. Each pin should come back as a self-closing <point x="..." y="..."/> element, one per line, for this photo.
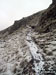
<point x="37" y="57"/>
<point x="9" y="66"/>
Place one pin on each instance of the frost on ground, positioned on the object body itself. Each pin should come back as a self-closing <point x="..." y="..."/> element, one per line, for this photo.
<point x="25" y="52"/>
<point x="37" y="57"/>
<point x="14" y="54"/>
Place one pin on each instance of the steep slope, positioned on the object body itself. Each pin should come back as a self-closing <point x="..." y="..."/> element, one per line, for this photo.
<point x="28" y="47"/>
<point x="30" y="21"/>
<point x="48" y="19"/>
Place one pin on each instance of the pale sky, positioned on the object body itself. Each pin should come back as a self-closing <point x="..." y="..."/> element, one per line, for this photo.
<point x="11" y="10"/>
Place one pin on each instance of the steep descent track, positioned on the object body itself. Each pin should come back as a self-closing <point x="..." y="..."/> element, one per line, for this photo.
<point x="36" y="56"/>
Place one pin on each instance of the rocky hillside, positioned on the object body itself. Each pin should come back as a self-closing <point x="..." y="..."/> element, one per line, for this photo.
<point x="47" y="22"/>
<point x="28" y="47"/>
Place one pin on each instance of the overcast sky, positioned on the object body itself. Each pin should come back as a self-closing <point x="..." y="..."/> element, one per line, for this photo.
<point x="11" y="10"/>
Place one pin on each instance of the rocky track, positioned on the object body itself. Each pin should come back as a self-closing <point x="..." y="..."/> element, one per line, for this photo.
<point x="17" y="57"/>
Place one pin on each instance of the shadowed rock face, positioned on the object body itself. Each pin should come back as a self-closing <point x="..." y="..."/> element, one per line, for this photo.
<point x="47" y="21"/>
<point x="54" y="1"/>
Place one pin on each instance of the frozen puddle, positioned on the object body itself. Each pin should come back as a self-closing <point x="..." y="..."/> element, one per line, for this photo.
<point x="37" y="57"/>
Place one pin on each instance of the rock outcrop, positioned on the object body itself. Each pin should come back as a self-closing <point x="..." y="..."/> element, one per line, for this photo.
<point x="48" y="19"/>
